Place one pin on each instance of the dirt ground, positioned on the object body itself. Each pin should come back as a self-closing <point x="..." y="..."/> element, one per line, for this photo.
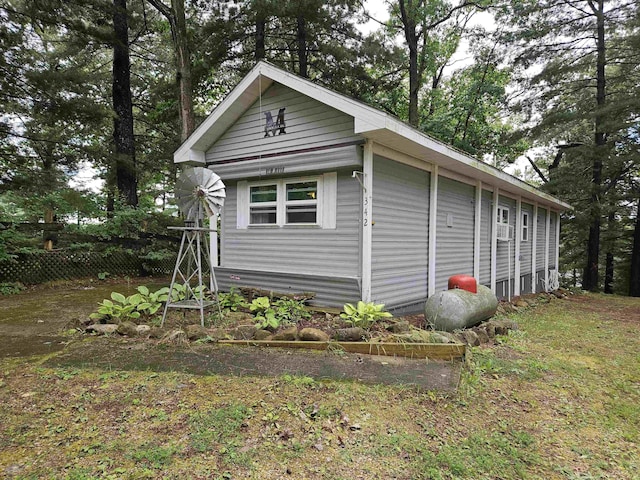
<point x="33" y="323"/>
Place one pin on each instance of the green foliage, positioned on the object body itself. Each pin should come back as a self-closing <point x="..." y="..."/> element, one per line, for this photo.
<point x="131" y="307"/>
<point x="232" y="300"/>
<point x="265" y="315"/>
<point x="364" y="315"/>
<point x="153" y="299"/>
<point x="290" y="310"/>
<point x="11" y="288"/>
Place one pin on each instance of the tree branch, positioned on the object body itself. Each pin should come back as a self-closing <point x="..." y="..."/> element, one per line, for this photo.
<point x="537" y="169"/>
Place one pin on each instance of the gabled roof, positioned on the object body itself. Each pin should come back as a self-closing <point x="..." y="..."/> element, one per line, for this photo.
<point x="371" y="123"/>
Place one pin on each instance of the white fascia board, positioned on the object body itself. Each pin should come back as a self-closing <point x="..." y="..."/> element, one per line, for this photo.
<point x="192" y="157"/>
<point x="475" y="169"/>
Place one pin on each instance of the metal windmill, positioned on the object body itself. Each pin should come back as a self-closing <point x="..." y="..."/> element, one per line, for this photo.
<point x="198" y="191"/>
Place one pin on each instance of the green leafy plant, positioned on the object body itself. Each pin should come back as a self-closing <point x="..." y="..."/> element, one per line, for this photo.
<point x="103" y="275"/>
<point x="291" y="310"/>
<point x="180" y="290"/>
<point x="364" y="314"/>
<point x="10" y="288"/>
<point x="265" y="315"/>
<point x="121" y="307"/>
<point x="154" y="299"/>
<point x="232" y="301"/>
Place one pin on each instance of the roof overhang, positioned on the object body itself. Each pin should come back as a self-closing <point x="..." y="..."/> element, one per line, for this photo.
<point x="369" y="122"/>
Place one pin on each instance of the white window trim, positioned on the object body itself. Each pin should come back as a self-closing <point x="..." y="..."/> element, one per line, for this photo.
<point x="499" y="215"/>
<point x="525" y="227"/>
<point x="325" y="202"/>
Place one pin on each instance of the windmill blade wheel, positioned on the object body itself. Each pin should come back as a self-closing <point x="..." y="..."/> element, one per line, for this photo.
<point x="199" y="191"/>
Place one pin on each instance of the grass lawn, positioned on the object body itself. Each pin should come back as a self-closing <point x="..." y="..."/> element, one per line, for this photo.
<point x="560" y="398"/>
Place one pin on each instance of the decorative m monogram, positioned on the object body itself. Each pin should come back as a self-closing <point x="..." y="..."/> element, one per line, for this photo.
<point x="271" y="126"/>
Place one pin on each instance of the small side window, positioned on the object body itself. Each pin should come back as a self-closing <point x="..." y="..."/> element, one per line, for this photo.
<point x="525" y="227"/>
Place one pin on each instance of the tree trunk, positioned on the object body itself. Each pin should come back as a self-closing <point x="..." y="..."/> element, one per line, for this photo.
<point x="125" y="158"/>
<point x="183" y="70"/>
<point x="634" y="280"/>
<point x="260" y="28"/>
<point x="302" y="46"/>
<point x="178" y="24"/>
<point x="411" y="37"/>
<point x="590" y="279"/>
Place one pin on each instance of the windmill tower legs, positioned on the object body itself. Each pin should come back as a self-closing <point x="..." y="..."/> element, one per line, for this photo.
<point x="188" y="273"/>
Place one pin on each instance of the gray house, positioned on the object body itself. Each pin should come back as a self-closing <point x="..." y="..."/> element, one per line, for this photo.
<point x="329" y="195"/>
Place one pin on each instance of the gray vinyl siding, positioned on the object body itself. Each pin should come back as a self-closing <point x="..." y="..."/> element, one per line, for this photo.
<point x="540" y="241"/>
<point x="331" y="291"/>
<point x="540" y="282"/>
<point x="316" y="161"/>
<point x="502" y="253"/>
<point x="454" y="244"/>
<point x="486" y="226"/>
<point x="553" y="231"/>
<point x="309" y="124"/>
<point x="298" y="250"/>
<point x="526" y="247"/>
<point x="400" y="235"/>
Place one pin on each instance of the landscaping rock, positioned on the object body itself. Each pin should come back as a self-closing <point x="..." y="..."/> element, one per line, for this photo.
<point x="490" y="328"/>
<point x="502" y="326"/>
<point x="470" y="338"/>
<point x="352" y="334"/>
<point x="287" y="334"/>
<point x="143" y="329"/>
<point x="218" y="334"/>
<point x="441" y="337"/>
<point x="156" y="332"/>
<point x="103" y="328"/>
<point x="83" y="322"/>
<point x="481" y="332"/>
<point x="399" y="327"/>
<point x="244" y="332"/>
<point x="263" y="335"/>
<point x="313" y="335"/>
<point x="129" y="329"/>
<point x="196" y="332"/>
<point x="176" y="337"/>
<point x="520" y="303"/>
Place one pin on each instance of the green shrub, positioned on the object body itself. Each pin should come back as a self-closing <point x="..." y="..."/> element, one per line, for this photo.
<point x="364" y="315"/>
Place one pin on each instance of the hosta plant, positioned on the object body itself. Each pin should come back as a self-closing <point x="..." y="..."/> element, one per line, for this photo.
<point x="364" y="314"/>
<point x="121" y="307"/>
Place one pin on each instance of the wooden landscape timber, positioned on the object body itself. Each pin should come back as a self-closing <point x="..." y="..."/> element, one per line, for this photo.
<point x="435" y="351"/>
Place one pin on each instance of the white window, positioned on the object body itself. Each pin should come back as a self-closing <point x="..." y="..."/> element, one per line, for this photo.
<point x="263" y="205"/>
<point x="525" y="227"/>
<point x="503" y="229"/>
<point x="301" y="202"/>
<point x="503" y="215"/>
<point x="304" y="201"/>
